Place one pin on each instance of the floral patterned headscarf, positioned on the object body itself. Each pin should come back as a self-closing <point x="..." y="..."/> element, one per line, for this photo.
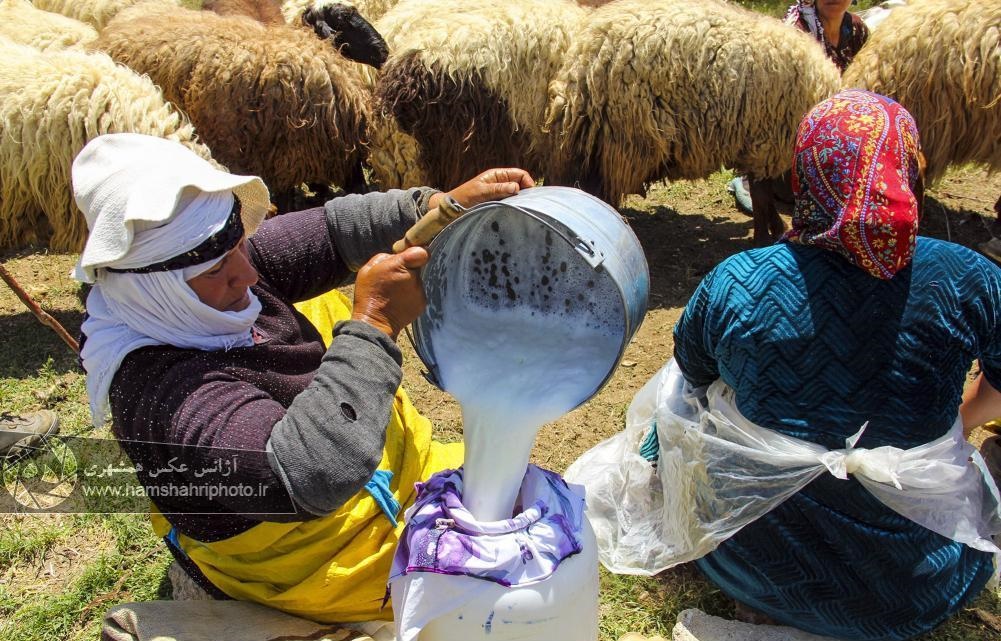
<point x="853" y="178"/>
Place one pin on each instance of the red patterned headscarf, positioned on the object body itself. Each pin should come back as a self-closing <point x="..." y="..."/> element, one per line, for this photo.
<point x="853" y="178"/>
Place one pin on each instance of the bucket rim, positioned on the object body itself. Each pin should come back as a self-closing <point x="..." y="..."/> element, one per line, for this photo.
<point x="586" y="249"/>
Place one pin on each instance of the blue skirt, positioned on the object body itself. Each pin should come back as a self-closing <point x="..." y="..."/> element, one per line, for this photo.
<point x="832" y="560"/>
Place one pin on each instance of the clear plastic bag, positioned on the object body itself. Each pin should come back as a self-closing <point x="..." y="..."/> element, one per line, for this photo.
<point x="717" y="472"/>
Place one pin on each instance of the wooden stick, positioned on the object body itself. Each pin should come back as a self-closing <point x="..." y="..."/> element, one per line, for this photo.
<point x="430" y="224"/>
<point x="39" y="313"/>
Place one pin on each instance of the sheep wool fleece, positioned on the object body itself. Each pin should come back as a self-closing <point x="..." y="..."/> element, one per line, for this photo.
<point x="51" y="104"/>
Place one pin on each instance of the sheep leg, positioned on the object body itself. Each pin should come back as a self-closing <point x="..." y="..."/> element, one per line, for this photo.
<point x="768" y="225"/>
<point x="355" y="182"/>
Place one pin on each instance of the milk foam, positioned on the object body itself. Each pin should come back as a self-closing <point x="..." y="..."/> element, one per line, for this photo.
<point x="513" y="370"/>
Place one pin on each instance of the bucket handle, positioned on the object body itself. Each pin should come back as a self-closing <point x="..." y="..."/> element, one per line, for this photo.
<point x="585" y="248"/>
<point x="431" y="373"/>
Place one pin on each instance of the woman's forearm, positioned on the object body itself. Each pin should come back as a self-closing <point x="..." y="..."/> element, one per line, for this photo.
<point x="331" y="439"/>
<point x="981" y="404"/>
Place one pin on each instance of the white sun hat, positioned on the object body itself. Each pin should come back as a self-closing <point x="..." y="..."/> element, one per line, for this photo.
<point x="127" y="183"/>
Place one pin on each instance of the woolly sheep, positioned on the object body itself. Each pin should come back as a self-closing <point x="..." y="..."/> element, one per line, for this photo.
<point x="393" y="156"/>
<point x="467" y="83"/>
<point x="263" y="11"/>
<point x="272" y="101"/>
<point x="941" y="59"/>
<point x="51" y="104"/>
<point x="674" y="89"/>
<point x="96" y="13"/>
<point x="370" y="9"/>
<point x="373" y="9"/>
<point x="22" y="23"/>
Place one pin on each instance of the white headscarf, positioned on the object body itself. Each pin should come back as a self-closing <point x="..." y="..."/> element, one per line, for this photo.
<point x="128" y="310"/>
<point x="148" y="200"/>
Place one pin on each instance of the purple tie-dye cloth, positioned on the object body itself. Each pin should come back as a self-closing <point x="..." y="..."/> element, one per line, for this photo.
<point x="442" y="537"/>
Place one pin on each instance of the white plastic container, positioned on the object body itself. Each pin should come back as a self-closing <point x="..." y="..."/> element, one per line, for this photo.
<point x="563" y="607"/>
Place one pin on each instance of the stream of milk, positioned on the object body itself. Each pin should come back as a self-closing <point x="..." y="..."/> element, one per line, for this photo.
<point x="513" y="370"/>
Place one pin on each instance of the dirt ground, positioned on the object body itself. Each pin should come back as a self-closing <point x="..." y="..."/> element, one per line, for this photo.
<point x="686" y="229"/>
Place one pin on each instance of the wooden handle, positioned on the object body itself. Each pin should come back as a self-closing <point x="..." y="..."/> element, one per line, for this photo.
<point x="425" y="229"/>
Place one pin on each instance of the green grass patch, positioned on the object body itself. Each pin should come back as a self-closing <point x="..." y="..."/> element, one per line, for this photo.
<point x="651" y="605"/>
<point x="28" y="538"/>
<point x="131" y="566"/>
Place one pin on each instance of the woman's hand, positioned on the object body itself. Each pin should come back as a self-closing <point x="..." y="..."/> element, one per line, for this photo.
<point x="493" y="184"/>
<point x="981" y="404"/>
<point x="388" y="292"/>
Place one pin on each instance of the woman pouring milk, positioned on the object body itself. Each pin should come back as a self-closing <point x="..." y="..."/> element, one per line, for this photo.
<point x="195" y="352"/>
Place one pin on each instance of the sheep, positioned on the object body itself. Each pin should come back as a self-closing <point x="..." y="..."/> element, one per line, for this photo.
<point x="51" y="104"/>
<point x="675" y="89"/>
<point x="96" y="13"/>
<point x="347" y="30"/>
<point x="270" y="101"/>
<point x="22" y="23"/>
<point x="264" y="11"/>
<point x="394" y="156"/>
<point x="941" y="60"/>
<point x="467" y="84"/>
<point x="371" y="10"/>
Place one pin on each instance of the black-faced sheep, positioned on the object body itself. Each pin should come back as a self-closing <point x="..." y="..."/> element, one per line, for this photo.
<point x="467" y="82"/>
<point x="270" y="101"/>
<point x="24" y="24"/>
<point x="96" y="13"/>
<point x="51" y="104"/>
<point x="676" y="89"/>
<point x="340" y="23"/>
<point x="941" y="59"/>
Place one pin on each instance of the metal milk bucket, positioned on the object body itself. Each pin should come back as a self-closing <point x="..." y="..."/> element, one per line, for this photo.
<point x="553" y="250"/>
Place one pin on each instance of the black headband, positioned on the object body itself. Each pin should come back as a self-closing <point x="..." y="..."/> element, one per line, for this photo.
<point x="212" y="247"/>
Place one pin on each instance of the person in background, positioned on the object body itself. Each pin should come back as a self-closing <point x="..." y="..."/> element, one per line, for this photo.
<point x="842" y="34"/>
<point x="278" y="448"/>
<point x="853" y="320"/>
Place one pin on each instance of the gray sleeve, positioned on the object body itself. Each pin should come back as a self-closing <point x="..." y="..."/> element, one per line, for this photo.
<point x="330" y="441"/>
<point x="362" y="225"/>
